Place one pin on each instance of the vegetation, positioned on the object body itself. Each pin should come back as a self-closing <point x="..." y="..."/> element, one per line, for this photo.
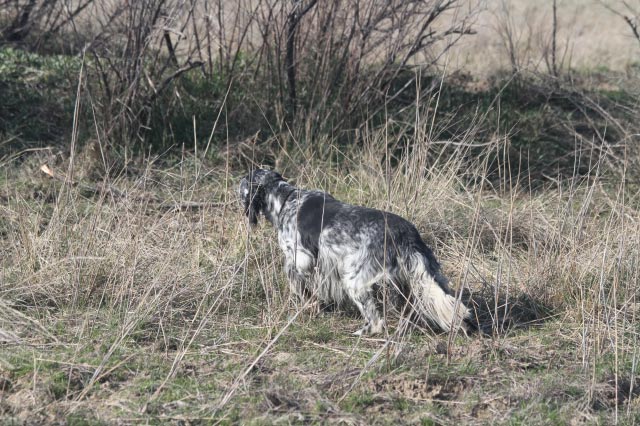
<point x="132" y="290"/>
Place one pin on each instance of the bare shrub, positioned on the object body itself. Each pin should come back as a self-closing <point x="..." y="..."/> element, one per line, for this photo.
<point x="341" y="56"/>
<point x="530" y="39"/>
<point x="37" y="19"/>
<point x="630" y="15"/>
<point x="269" y="64"/>
<point x="129" y="67"/>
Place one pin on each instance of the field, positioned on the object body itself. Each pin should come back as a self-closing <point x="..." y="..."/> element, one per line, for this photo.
<point x="132" y="289"/>
<point x="126" y="309"/>
<point x="581" y="24"/>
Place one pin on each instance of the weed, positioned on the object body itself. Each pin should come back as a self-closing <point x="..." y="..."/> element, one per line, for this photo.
<point x="133" y="291"/>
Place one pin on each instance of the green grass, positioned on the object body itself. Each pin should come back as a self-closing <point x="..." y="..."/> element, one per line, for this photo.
<point x="130" y="310"/>
<point x="126" y="310"/>
<point x="479" y="377"/>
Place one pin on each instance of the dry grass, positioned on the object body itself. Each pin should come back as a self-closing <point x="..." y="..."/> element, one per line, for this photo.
<point x="155" y="304"/>
<point x="122" y="310"/>
<point x="582" y="44"/>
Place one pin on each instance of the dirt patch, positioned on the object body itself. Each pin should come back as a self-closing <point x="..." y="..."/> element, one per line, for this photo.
<point x="423" y="389"/>
<point x="611" y="393"/>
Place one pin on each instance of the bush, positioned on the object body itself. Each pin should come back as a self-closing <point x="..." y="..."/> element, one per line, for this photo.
<point x="38" y="96"/>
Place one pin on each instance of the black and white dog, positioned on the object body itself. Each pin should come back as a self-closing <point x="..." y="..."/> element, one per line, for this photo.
<point x="340" y="252"/>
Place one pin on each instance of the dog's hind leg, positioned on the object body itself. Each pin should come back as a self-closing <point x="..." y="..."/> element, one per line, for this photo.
<point x="361" y="294"/>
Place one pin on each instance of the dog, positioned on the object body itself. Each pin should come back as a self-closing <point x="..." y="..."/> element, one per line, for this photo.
<point x="340" y="253"/>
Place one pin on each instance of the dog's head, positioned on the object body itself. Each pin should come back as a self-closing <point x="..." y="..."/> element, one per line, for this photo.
<point x="253" y="191"/>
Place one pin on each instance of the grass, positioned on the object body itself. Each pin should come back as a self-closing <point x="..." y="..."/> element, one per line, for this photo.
<point x="134" y="305"/>
<point x="120" y="310"/>
<point x="580" y="41"/>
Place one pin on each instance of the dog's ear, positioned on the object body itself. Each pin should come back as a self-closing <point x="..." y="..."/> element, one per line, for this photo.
<point x="253" y="208"/>
<point x="253" y="192"/>
<point x="251" y="196"/>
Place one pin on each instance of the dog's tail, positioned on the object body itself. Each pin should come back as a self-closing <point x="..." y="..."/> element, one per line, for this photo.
<point x="431" y="297"/>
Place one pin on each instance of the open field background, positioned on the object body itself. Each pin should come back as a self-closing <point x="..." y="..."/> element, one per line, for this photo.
<point x="132" y="290"/>
<point x="589" y="36"/>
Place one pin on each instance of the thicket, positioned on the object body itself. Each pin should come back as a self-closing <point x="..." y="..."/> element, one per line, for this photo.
<point x="252" y="76"/>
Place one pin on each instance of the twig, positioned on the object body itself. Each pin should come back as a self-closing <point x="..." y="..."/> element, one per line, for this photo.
<point x="294" y="19"/>
<point x="173" y="76"/>
<point x="241" y="377"/>
<point x="172" y="52"/>
<point x="117" y="193"/>
<point x="630" y="20"/>
<point x="554" y="35"/>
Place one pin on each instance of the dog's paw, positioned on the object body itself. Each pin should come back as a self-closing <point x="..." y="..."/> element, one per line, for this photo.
<point x="370" y="329"/>
<point x="376" y="328"/>
<point x="364" y="331"/>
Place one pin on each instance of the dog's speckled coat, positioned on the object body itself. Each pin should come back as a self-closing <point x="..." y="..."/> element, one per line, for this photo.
<point x="341" y="252"/>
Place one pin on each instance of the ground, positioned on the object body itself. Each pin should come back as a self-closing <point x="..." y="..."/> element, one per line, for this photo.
<point x="118" y="309"/>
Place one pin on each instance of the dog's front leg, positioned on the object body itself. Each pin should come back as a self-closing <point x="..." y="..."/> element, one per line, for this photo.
<point x="297" y="284"/>
<point x="299" y="266"/>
